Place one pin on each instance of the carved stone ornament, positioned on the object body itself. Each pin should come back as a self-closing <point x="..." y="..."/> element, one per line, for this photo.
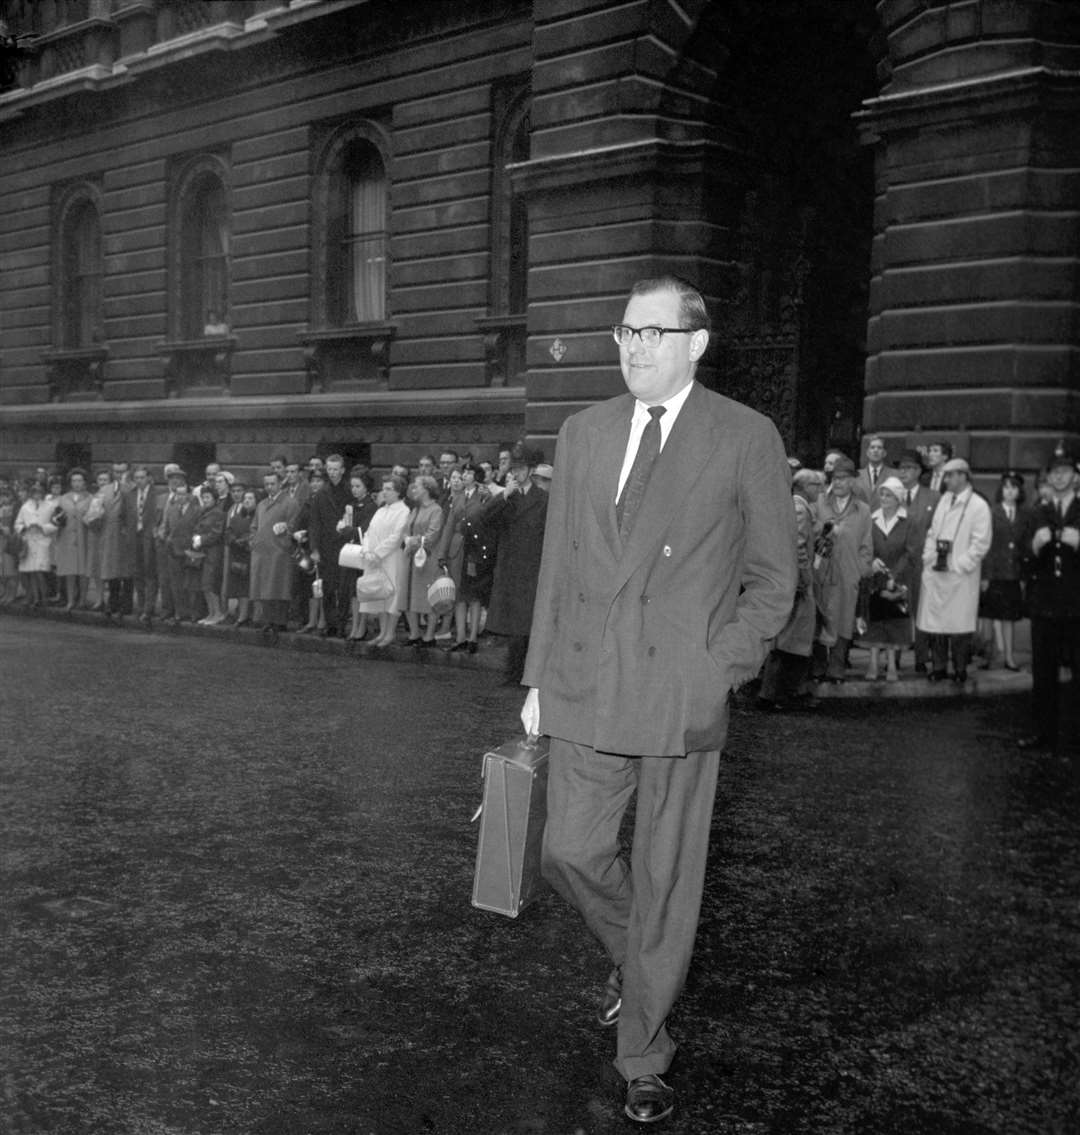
<point x="557" y="350"/>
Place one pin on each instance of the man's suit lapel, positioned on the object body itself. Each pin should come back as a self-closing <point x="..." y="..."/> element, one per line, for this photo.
<point x="607" y="448"/>
<point x="682" y="461"/>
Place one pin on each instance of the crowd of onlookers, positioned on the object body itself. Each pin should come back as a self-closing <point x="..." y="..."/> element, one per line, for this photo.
<point x="910" y="557"/>
<point x="437" y="554"/>
<point x="894" y="557"/>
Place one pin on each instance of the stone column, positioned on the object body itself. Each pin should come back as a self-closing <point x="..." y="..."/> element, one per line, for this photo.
<point x="621" y="183"/>
<point x="974" y="330"/>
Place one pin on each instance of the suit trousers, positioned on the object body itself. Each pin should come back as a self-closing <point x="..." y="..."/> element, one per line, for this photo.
<point x="121" y="593"/>
<point x="784" y="676"/>
<point x="942" y="645"/>
<point x="1054" y="642"/>
<point x="645" y="913"/>
<point x="145" y="577"/>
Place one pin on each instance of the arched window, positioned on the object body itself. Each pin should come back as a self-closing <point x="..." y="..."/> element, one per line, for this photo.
<point x="349" y="336"/>
<point x="197" y="352"/>
<point x="204" y="256"/>
<point x="80" y="277"/>
<point x="356" y="235"/>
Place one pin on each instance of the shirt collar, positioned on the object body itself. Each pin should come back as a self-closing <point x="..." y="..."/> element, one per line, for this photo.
<point x="673" y="405"/>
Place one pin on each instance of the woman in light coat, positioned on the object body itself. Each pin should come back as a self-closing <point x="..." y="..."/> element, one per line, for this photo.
<point x="34" y="522"/>
<point x="850" y="548"/>
<point x="425" y="525"/>
<point x="958" y="538"/>
<point x="382" y="548"/>
<point x="71" y="546"/>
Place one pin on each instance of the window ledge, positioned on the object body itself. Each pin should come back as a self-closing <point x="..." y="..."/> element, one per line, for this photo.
<point x="351" y="332"/>
<point x="197" y="364"/>
<point x="75" y="355"/>
<point x="75" y="372"/>
<point x="354" y="357"/>
<point x="214" y="343"/>
<point x="499" y="322"/>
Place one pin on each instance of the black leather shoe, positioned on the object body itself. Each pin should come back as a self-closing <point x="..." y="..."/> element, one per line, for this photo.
<point x="610" y="1004"/>
<point x="960" y="677"/>
<point x="649" y="1099"/>
<point x="1033" y="741"/>
<point x="936" y="676"/>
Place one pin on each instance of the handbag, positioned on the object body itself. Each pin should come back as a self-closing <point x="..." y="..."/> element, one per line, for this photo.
<point x="351" y="556"/>
<point x="95" y="511"/>
<point x="16" y="545"/>
<point x="240" y="568"/>
<point x="374" y="584"/>
<point x="420" y="557"/>
<point x="442" y="594"/>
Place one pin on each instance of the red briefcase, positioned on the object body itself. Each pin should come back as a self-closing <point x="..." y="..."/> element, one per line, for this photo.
<point x="511" y="826"/>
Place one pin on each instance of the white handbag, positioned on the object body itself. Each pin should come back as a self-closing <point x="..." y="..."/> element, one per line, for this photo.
<point x="351" y="556"/>
<point x="374" y="584"/>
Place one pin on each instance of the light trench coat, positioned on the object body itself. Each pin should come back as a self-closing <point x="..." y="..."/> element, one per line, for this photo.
<point x="383" y="541"/>
<point x="949" y="600"/>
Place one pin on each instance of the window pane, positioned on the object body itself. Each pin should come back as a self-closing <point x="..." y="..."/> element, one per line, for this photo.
<point x="81" y="284"/>
<point x="364" y="244"/>
<point x="368" y="249"/>
<point x="204" y="258"/>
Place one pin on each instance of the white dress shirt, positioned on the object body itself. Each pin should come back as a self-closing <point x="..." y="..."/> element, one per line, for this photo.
<point x="641" y="419"/>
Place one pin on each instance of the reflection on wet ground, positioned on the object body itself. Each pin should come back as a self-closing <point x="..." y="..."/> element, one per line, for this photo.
<point x="236" y="900"/>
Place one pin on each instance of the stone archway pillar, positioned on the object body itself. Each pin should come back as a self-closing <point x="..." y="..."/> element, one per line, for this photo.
<point x="974" y="330"/>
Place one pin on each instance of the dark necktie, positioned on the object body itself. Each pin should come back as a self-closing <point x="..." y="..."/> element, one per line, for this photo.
<point x="638" y="478"/>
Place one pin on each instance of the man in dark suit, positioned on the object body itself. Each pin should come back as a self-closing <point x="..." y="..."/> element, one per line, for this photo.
<point x="873" y="472"/>
<point x="919" y="502"/>
<point x="325" y="509"/>
<point x="144" y="508"/>
<point x="516" y="519"/>
<point x="669" y="563"/>
<point x="1052" y="546"/>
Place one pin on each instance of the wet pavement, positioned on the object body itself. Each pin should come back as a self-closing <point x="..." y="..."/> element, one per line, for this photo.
<point x="235" y="891"/>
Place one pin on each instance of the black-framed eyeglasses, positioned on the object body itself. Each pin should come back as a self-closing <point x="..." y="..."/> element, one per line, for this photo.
<point x="649" y="336"/>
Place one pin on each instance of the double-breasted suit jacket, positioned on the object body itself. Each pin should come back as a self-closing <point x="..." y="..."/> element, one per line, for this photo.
<point x="634" y="649"/>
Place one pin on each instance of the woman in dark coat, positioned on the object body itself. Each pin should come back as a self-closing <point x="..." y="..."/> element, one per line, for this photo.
<point x="885" y="596"/>
<point x="464" y="553"/>
<point x="352" y="526"/>
<point x="238" y="554"/>
<point x="1001" y="601"/>
<point x="209" y="539"/>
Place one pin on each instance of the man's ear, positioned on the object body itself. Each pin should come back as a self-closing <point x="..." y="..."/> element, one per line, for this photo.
<point x="698" y="342"/>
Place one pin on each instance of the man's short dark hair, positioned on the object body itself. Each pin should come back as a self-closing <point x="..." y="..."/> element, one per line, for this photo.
<point x="693" y="315"/>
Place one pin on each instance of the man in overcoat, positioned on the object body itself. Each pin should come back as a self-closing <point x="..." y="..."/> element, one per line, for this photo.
<point x="668" y="565"/>
<point x="117" y="547"/>
<point x="276" y="518"/>
<point x="516" y="520"/>
<point x="956" y="541"/>
<point x="325" y="509"/>
<point x="920" y="501"/>
<point x="1052" y="546"/>
<point x="144" y="510"/>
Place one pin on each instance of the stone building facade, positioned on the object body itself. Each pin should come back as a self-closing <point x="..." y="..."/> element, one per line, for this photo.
<point x="247" y="227"/>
